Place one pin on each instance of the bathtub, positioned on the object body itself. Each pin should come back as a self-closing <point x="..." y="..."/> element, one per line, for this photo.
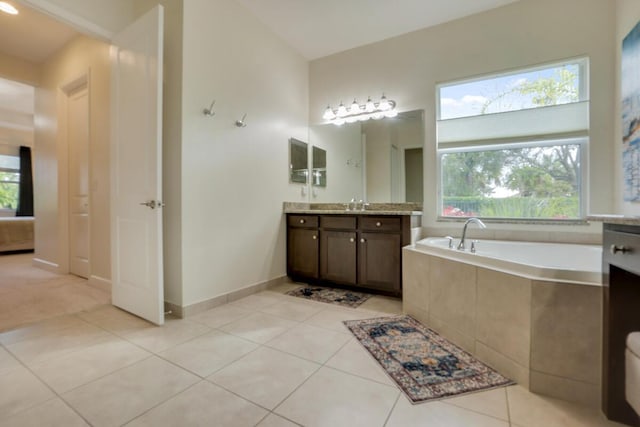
<point x="533" y="311"/>
<point x="558" y="262"/>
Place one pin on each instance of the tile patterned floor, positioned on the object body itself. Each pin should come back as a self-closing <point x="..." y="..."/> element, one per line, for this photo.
<point x="267" y="360"/>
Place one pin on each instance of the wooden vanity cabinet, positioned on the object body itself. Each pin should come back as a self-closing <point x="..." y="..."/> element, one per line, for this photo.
<point x="302" y="246"/>
<point x="338" y="249"/>
<point x="356" y="250"/>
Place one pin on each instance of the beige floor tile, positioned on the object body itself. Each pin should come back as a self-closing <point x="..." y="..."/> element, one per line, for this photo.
<point x="80" y="367"/>
<point x="490" y="402"/>
<point x="438" y="414"/>
<point x="265" y="376"/>
<point x="333" y="398"/>
<point x="259" y="327"/>
<point x="220" y="316"/>
<point x="20" y="390"/>
<point x="40" y="329"/>
<point x="310" y="342"/>
<point x="7" y="361"/>
<point x="257" y="301"/>
<point x="273" y="420"/>
<point x="332" y="318"/>
<point x="119" y="397"/>
<point x="208" y="353"/>
<point x="53" y="413"/>
<point x="172" y="333"/>
<point x="383" y="304"/>
<point x="531" y="410"/>
<point x="204" y="404"/>
<point x="285" y="287"/>
<point x="115" y="320"/>
<point x="58" y="343"/>
<point x="292" y="310"/>
<point x="355" y="359"/>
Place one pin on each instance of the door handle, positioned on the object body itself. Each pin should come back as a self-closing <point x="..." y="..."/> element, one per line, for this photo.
<point x="149" y="203"/>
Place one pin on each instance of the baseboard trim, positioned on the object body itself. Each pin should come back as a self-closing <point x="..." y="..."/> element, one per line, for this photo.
<point x="100" y="283"/>
<point x="46" y="265"/>
<point x="208" y="304"/>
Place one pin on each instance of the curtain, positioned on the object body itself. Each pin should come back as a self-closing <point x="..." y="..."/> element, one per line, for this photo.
<point x="25" y="192"/>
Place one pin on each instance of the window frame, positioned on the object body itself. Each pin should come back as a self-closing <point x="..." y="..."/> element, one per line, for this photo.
<point x="581" y="138"/>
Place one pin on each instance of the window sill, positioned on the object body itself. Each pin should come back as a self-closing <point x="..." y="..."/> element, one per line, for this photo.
<point x="523" y="221"/>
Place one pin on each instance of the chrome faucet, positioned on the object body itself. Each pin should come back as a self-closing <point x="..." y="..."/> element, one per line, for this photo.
<point x="464" y="231"/>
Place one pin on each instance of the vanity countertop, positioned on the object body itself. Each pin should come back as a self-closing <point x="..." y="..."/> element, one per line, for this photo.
<point x="413" y="209"/>
<point x="615" y="219"/>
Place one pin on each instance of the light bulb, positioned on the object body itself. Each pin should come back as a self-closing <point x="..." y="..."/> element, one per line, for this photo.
<point x="370" y="107"/>
<point x="377" y="116"/>
<point x="351" y="119"/>
<point x="384" y="104"/>
<point x="355" y="108"/>
<point x="329" y="114"/>
<point x="364" y="117"/>
<point x="391" y="113"/>
<point x="7" y="8"/>
<point x="339" y="121"/>
<point x="342" y="110"/>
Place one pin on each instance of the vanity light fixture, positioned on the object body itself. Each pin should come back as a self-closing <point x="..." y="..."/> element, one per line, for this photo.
<point x="8" y="8"/>
<point x="356" y="112"/>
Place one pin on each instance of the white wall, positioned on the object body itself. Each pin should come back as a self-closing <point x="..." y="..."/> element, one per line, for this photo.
<point x="344" y="162"/>
<point x="81" y="55"/>
<point x="16" y="69"/>
<point x="234" y="180"/>
<point x="528" y="32"/>
<point x="628" y="15"/>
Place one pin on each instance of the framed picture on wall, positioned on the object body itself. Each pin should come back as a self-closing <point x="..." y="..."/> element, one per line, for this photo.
<point x="631" y="114"/>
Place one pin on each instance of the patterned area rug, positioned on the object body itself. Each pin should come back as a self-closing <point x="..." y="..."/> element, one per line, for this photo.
<point x="331" y="295"/>
<point x="423" y="364"/>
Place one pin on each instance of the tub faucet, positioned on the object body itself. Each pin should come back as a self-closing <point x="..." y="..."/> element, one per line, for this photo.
<point x="464" y="231"/>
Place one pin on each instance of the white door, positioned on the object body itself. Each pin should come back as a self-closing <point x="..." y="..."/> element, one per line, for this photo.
<point x="136" y="168"/>
<point x="78" y="140"/>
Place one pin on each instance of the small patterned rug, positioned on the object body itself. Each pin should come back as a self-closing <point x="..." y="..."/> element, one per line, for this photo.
<point x="331" y="295"/>
<point x="423" y="364"/>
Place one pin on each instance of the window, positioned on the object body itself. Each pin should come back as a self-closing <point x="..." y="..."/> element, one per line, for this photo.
<point x="515" y="145"/>
<point x="9" y="181"/>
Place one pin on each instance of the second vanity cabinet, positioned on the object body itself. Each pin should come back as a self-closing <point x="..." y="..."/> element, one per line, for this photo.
<point x="356" y="250"/>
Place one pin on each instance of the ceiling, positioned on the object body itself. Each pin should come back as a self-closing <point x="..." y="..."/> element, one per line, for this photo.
<point x="317" y="28"/>
<point x="31" y="35"/>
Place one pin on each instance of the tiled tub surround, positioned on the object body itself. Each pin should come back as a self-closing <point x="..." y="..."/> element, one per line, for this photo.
<point x="544" y="334"/>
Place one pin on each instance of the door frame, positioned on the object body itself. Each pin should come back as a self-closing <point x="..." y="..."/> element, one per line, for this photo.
<point x="62" y="147"/>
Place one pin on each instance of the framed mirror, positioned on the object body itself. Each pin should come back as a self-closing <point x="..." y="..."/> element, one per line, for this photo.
<point x="319" y="169"/>
<point x="298" y="161"/>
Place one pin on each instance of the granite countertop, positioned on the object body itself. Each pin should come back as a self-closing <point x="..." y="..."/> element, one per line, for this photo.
<point x="340" y="209"/>
<point x="615" y="219"/>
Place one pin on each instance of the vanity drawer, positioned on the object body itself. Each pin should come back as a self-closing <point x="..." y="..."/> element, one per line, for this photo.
<point x="338" y="222"/>
<point x="305" y="221"/>
<point x="380" y="223"/>
<point x="622" y="250"/>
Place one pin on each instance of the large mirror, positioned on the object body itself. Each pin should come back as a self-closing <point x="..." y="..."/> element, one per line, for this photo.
<point x="298" y="161"/>
<point x="379" y="161"/>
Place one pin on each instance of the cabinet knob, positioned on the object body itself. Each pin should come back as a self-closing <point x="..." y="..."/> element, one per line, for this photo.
<point x="302" y="221"/>
<point x="362" y="241"/>
<point x="615" y="249"/>
<point x="315" y="237"/>
<point x="378" y="224"/>
<point x="352" y="240"/>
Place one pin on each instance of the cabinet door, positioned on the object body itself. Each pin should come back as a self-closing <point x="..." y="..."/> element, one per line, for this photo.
<point x="379" y="261"/>
<point x="338" y="256"/>
<point x="302" y="252"/>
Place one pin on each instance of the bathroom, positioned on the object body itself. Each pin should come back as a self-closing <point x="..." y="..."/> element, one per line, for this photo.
<point x="224" y="228"/>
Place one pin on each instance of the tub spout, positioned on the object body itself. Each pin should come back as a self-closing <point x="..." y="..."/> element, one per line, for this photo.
<point x="480" y="224"/>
